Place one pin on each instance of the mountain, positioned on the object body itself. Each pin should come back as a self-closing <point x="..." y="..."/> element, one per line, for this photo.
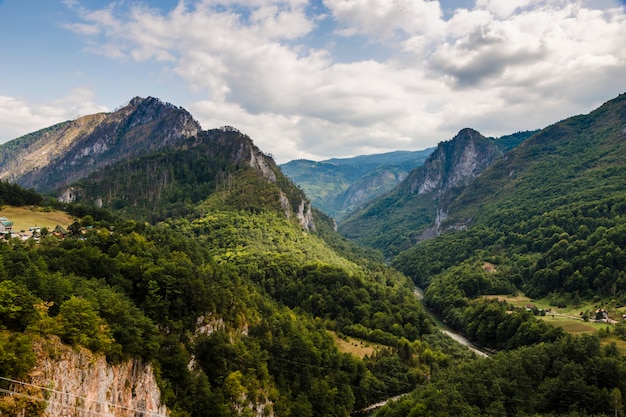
<point x="196" y="276"/>
<point x="559" y="189"/>
<point x="548" y="222"/>
<point x="174" y="180"/>
<point x="150" y="159"/>
<point x="56" y="156"/>
<point x="338" y="186"/>
<point x="415" y="209"/>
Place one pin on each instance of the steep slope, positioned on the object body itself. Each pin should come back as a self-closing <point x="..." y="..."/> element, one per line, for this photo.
<point x="174" y="180"/>
<point x="420" y="202"/>
<point x="578" y="159"/>
<point x="338" y="186"/>
<point x="549" y="219"/>
<point x="59" y="155"/>
<point x="232" y="293"/>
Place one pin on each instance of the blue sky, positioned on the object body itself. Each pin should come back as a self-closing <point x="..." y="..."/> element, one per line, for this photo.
<point x="315" y="79"/>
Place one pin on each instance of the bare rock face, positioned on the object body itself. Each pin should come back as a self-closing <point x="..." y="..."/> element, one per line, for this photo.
<point x="455" y="163"/>
<point x="258" y="161"/>
<point x="305" y="216"/>
<point x="80" y="383"/>
<point x="452" y="165"/>
<point x="59" y="155"/>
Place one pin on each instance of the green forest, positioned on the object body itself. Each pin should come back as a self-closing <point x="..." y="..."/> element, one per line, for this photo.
<point x="549" y="222"/>
<point x="129" y="289"/>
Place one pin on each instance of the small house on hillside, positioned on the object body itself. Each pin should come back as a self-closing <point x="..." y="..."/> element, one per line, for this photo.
<point x="59" y="232"/>
<point x="6" y="223"/>
<point x="5" y="226"/>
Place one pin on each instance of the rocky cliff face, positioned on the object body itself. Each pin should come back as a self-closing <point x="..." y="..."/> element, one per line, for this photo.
<point x="51" y="158"/>
<point x="453" y="165"/>
<point x="79" y="383"/>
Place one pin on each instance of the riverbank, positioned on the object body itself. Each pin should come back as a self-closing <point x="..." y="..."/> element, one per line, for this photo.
<point x="458" y="337"/>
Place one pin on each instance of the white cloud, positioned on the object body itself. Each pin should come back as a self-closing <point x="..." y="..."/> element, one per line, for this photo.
<point x="500" y="67"/>
<point x="384" y="18"/>
<point x="18" y="116"/>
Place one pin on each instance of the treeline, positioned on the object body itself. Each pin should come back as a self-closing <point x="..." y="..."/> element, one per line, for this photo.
<point x="14" y="195"/>
<point x="574" y="376"/>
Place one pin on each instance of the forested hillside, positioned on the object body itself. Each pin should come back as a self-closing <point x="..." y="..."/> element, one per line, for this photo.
<point x="213" y="267"/>
<point x="173" y="181"/>
<point x="546" y="221"/>
<point x="414" y="210"/>
<point x="233" y="308"/>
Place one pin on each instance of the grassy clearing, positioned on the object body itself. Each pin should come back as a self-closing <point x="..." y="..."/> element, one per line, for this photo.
<point x="568" y="317"/>
<point x="620" y="344"/>
<point x="356" y="347"/>
<point x="518" y="300"/>
<point x="571" y="325"/>
<point x="25" y="217"/>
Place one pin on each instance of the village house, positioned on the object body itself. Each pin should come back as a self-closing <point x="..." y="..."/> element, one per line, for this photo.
<point x="59" y="232"/>
<point x="6" y="226"/>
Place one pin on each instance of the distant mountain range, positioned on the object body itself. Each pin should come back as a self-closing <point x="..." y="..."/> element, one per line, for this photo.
<point x="415" y="208"/>
<point x="339" y="186"/>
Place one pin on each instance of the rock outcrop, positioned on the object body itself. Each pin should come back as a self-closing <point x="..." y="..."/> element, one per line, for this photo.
<point x="453" y="165"/>
<point x="79" y="383"/>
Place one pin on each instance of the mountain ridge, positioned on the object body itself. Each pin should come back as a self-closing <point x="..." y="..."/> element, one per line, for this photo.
<point x="50" y="158"/>
<point x="416" y="208"/>
<point x="339" y="186"/>
<point x="149" y="157"/>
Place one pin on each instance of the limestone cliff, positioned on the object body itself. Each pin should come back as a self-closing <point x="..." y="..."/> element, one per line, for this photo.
<point x="79" y="383"/>
<point x="454" y="164"/>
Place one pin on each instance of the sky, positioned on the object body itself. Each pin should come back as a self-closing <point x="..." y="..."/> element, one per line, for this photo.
<point x="315" y="79"/>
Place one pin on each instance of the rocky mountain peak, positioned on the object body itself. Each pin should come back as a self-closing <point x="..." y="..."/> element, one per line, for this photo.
<point x="59" y="155"/>
<point x="454" y="163"/>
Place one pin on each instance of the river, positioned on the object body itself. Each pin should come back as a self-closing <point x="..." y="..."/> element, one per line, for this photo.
<point x="419" y="294"/>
